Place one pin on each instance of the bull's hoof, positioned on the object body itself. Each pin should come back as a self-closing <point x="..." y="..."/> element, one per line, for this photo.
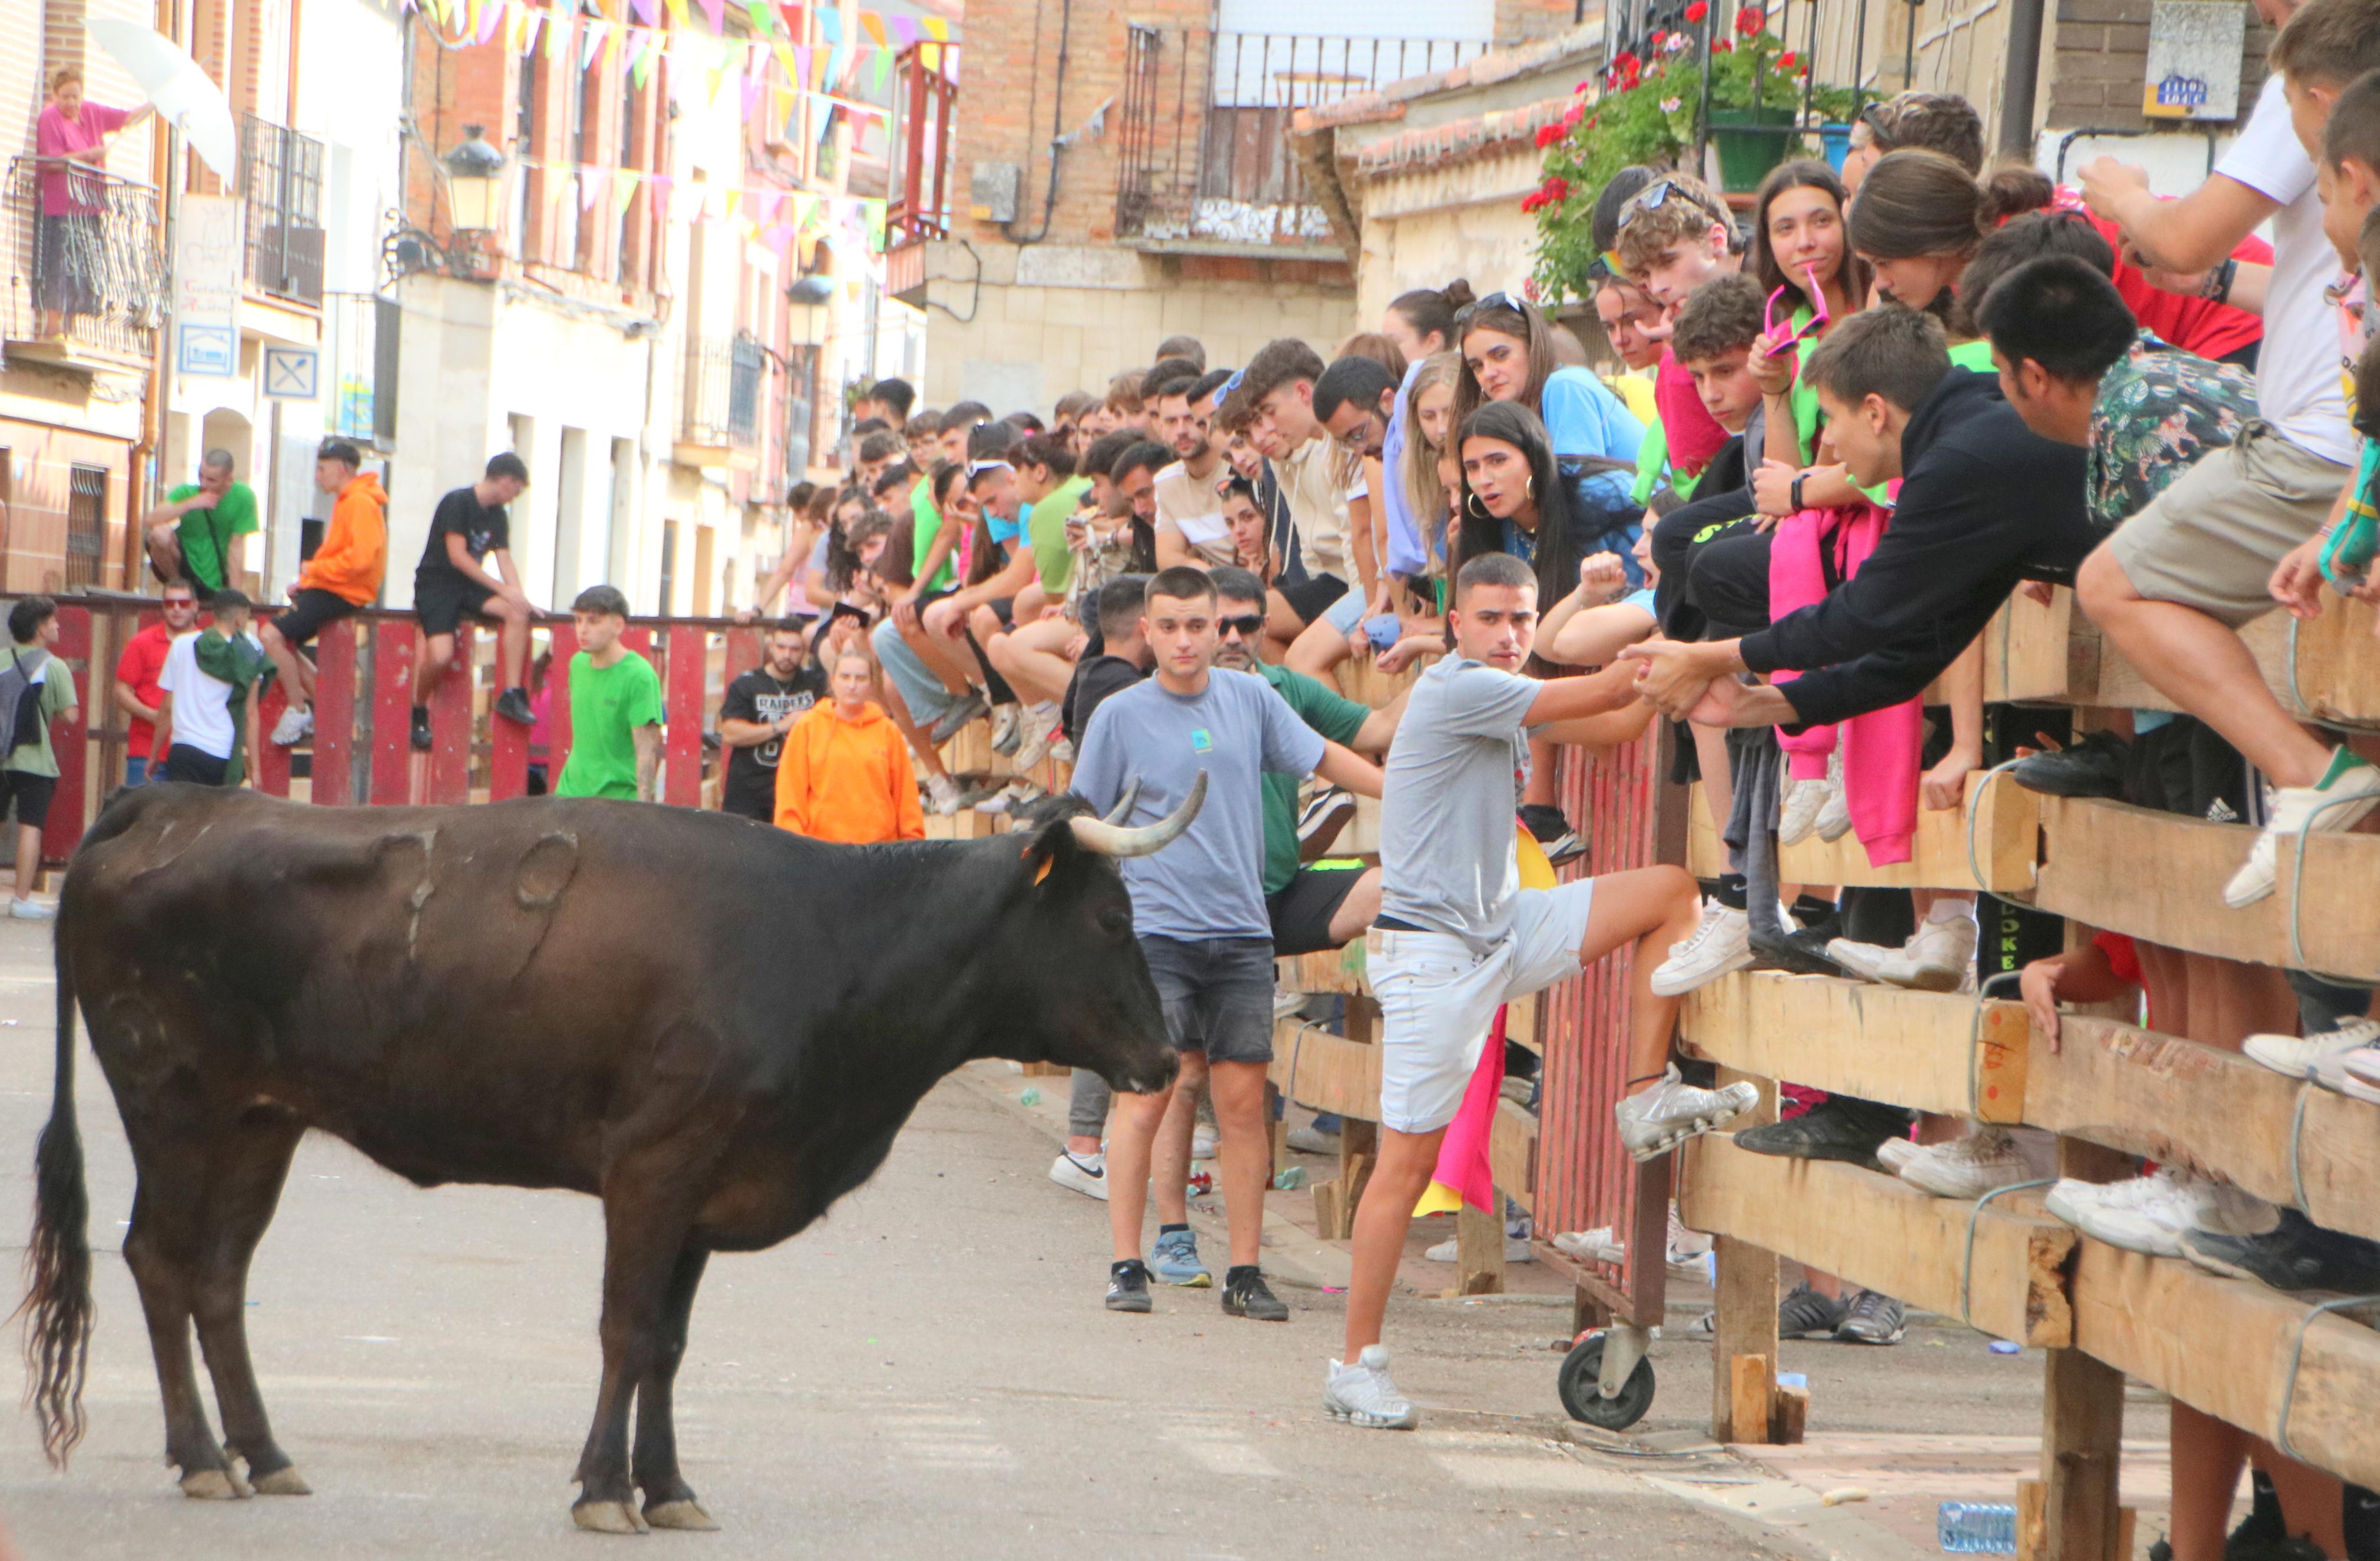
<point x="283" y="1481"/>
<point x="215" y="1485"/>
<point x="686" y="1515"/>
<point x="607" y="1518"/>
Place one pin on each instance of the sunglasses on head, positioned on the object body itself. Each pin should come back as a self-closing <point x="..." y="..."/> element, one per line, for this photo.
<point x="1817" y="319"/>
<point x="1655" y="196"/>
<point x="1245" y="626"/>
<point x="1498" y="299"/>
<point x="977" y="468"/>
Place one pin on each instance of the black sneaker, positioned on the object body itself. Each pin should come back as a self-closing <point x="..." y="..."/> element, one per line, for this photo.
<point x="1801" y="952"/>
<point x="1321" y="819"/>
<point x="1873" y="1318"/>
<point x="1838" y="1127"/>
<point x="1128" y="1285"/>
<point x="1553" y="831"/>
<point x="1245" y="1295"/>
<point x="1806" y="1315"/>
<point x="2243" y="1546"/>
<point x="2296" y="1254"/>
<point x="513" y="705"/>
<point x="422" y="728"/>
<point x="2093" y="767"/>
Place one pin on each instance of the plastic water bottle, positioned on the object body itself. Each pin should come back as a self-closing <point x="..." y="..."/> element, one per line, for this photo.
<point x="1969" y="1528"/>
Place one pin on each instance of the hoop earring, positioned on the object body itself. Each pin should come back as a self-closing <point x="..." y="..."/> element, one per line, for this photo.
<point x="1529" y="486"/>
<point x="1471" y="507"/>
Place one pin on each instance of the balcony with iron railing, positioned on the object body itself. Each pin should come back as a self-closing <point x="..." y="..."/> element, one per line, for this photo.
<point x="281" y="189"/>
<point x="87" y="278"/>
<point x="721" y="420"/>
<point x="1204" y="159"/>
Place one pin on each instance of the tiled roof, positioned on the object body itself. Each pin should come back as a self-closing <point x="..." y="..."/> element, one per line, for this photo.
<point x="1501" y="65"/>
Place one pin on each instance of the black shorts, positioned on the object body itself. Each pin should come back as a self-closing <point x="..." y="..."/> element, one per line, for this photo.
<point x="2185" y="767"/>
<point x="441" y="604"/>
<point x="1301" y="912"/>
<point x="1006" y="610"/>
<point x="31" y="794"/>
<point x="1313" y="596"/>
<point x="188" y="764"/>
<point x="309" y="612"/>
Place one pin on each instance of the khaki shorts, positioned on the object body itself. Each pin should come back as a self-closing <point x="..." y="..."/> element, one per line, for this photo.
<point x="2213" y="539"/>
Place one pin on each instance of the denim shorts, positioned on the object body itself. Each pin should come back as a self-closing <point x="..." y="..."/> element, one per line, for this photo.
<point x="1217" y="994"/>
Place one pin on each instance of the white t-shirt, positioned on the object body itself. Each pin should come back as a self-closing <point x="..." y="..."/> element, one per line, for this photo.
<point x="201" y="714"/>
<point x="1190" y="506"/>
<point x="2298" y="387"/>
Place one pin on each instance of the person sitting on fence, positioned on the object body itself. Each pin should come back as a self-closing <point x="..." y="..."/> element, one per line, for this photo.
<point x="471" y="526"/>
<point x="1275" y="395"/>
<point x="988" y="607"/>
<point x="37" y="689"/>
<point x="758" y="708"/>
<point x="210" y="693"/>
<point x="1189" y="521"/>
<point x="137" y="671"/>
<point x="893" y="485"/>
<point x="189" y="535"/>
<point x="913" y="693"/>
<point x="845" y="776"/>
<point x="888" y="398"/>
<point x="878" y="451"/>
<point x="615" y="707"/>
<point x="341" y="579"/>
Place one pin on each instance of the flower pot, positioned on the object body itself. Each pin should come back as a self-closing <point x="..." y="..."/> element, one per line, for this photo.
<point x="1835" y="139"/>
<point x="1751" y="141"/>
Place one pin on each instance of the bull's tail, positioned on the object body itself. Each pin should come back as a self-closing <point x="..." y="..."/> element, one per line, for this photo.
<point x="58" y="1308"/>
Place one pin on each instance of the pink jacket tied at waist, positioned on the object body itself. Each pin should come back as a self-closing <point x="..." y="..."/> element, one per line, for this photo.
<point x="1879" y="748"/>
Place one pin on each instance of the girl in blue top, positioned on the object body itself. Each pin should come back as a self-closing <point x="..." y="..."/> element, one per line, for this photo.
<point x="1508" y="355"/>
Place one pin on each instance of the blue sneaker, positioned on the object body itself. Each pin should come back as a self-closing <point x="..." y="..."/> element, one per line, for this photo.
<point x="1176" y="1261"/>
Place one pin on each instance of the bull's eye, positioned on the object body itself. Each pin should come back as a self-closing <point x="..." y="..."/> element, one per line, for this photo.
<point x="1116" y="923"/>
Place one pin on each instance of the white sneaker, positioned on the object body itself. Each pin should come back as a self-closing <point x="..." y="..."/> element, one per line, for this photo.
<point x="1086" y="1174"/>
<point x="2363" y="1064"/>
<point x="294" y="723"/>
<point x="1363" y="1395"/>
<point x="2160" y="1209"/>
<point x="1014" y="797"/>
<point x="2336" y="803"/>
<point x="1599" y="1245"/>
<point x="1517" y="1250"/>
<point x="1687" y="1248"/>
<point x="1983" y="1162"/>
<point x="1660" y="1118"/>
<point x="1721" y="943"/>
<point x="1041" y="731"/>
<point x="943" y="796"/>
<point x="1310" y="1140"/>
<point x="1007" y="728"/>
<point x="32" y="910"/>
<point x="2298" y="1056"/>
<point x="1834" y="819"/>
<point x="1797" y="813"/>
<point x="1935" y="958"/>
<point x="1202" y="1142"/>
<point x="2356" y="1074"/>
<point x="1063" y="751"/>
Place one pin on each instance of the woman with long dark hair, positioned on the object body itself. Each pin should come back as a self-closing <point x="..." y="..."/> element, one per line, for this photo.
<point x="1801" y="256"/>
<point x="1519" y="497"/>
<point x="1917" y="221"/>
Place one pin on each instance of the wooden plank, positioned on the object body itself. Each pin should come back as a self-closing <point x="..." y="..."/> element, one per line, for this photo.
<point x="1879" y="1042"/>
<point x="2005" y="825"/>
<point x="2173" y="1100"/>
<point x="1326" y="1072"/>
<point x="1478" y="1252"/>
<point x="1337" y="970"/>
<point x="2026" y="650"/>
<point x="682" y="699"/>
<point x="1879" y="1231"/>
<point x="1513" y="1153"/>
<point x="2332" y="672"/>
<point x="2160" y="877"/>
<point x="1744" y="1312"/>
<point x="2082" y="1440"/>
<point x="2224" y="1346"/>
<point x="395" y="644"/>
<point x="272" y="759"/>
<point x="1752" y="1396"/>
<point x="450" y="722"/>
<point x="1789" y="1417"/>
<point x="566" y="650"/>
<point x="334" y="714"/>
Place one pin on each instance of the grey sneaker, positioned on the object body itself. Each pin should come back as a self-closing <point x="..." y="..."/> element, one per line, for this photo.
<point x="1874" y="1318"/>
<point x="956" y="716"/>
<point x="1007" y="728"/>
<point x="1128" y="1285"/>
<point x="1176" y="1261"/>
<point x="1247" y="1295"/>
<point x="1363" y="1395"/>
<point x="1665" y="1115"/>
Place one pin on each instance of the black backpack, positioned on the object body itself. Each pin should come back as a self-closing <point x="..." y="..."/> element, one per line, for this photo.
<point x="24" y="713"/>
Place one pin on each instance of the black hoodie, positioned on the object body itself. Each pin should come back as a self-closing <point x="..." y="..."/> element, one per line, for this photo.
<point x="1985" y="504"/>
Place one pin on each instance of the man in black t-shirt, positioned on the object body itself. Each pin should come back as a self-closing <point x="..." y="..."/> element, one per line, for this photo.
<point x="756" y="713"/>
<point x="469" y="526"/>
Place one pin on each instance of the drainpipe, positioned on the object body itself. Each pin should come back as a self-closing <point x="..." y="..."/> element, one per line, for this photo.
<point x="2020" y="78"/>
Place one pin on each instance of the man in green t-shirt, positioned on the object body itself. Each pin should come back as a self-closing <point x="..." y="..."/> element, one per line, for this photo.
<point x="190" y="535"/>
<point x="616" y="706"/>
<point x="1328" y="904"/>
<point x="28" y="773"/>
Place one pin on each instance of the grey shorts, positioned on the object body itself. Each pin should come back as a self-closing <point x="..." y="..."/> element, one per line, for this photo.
<point x="2212" y="539"/>
<point x="1217" y="994"/>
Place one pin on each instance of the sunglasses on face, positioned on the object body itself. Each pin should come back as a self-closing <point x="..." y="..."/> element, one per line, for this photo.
<point x="1817" y="319"/>
<point x="1245" y="626"/>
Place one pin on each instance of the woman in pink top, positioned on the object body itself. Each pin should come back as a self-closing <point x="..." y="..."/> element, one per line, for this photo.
<point x="70" y="136"/>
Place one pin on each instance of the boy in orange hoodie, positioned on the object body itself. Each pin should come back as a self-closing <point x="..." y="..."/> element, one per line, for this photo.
<point x="342" y="578"/>
<point x="844" y="773"/>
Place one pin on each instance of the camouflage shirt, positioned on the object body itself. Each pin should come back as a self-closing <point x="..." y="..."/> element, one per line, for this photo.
<point x="2159" y="409"/>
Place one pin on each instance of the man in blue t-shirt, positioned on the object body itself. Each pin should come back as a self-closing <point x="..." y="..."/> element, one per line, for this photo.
<point x="1198" y="909"/>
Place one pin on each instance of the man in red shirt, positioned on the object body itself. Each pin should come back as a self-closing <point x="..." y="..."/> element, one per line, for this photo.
<point x="135" y="677"/>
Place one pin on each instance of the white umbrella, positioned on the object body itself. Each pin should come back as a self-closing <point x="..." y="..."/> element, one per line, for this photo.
<point x="186" y="97"/>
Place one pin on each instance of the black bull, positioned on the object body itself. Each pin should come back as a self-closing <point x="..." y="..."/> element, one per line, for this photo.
<point x="713" y="1027"/>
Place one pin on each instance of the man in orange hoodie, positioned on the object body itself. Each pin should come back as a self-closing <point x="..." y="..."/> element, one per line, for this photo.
<point x="844" y="773"/>
<point x="342" y="578"/>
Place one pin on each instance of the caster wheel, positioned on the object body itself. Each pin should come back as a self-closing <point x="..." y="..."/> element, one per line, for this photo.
<point x="1576" y="1384"/>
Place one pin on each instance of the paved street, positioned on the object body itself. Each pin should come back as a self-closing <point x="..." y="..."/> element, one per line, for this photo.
<point x="929" y="1371"/>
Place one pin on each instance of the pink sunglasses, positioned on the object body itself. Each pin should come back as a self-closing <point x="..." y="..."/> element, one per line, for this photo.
<point x="1817" y="320"/>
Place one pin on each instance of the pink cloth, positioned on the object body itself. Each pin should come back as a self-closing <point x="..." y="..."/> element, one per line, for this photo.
<point x="1462" y="1164"/>
<point x="1880" y="747"/>
<point x="55" y="135"/>
<point x="1694" y="436"/>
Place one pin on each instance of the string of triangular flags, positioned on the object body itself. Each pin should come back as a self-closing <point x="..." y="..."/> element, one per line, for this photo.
<point x="761" y="213"/>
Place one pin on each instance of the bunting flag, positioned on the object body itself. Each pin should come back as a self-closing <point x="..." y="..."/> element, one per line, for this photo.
<point x="593" y="182"/>
<point x="624" y="190"/>
<point x="764" y="21"/>
<point x="648" y="12"/>
<point x="715" y="12"/>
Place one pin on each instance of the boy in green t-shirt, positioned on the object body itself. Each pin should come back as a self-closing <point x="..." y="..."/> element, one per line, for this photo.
<point x="616" y="706"/>
<point x="28" y="772"/>
<point x="189" y="535"/>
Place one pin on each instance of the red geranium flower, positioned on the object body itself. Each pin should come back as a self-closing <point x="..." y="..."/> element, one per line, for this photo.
<point x="1698" y="11"/>
<point x="1555" y="188"/>
<point x="1722" y="47"/>
<point x="1529" y="289"/>
<point x="1547" y="135"/>
<point x="1787" y="60"/>
<point x="1750" y="19"/>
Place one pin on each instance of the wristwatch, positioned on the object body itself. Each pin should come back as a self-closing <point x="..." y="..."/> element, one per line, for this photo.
<point x="1794" y="494"/>
<point x="2217" y="285"/>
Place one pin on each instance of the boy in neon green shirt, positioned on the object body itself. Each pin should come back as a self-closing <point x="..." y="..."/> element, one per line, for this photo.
<point x="616" y="706"/>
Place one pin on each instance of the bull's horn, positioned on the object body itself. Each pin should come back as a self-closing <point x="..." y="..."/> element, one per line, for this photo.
<point x="1114" y="840"/>
<point x="1123" y="805"/>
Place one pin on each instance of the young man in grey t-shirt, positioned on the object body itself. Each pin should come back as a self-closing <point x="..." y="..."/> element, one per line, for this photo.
<point x="1457" y="935"/>
<point x="1198" y="909"/>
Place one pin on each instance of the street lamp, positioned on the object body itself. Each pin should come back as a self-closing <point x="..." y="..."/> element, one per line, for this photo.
<point x="808" y="317"/>
<point x="475" y="177"/>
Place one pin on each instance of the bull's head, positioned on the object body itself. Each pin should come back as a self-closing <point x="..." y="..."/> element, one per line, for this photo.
<point x="1087" y="993"/>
